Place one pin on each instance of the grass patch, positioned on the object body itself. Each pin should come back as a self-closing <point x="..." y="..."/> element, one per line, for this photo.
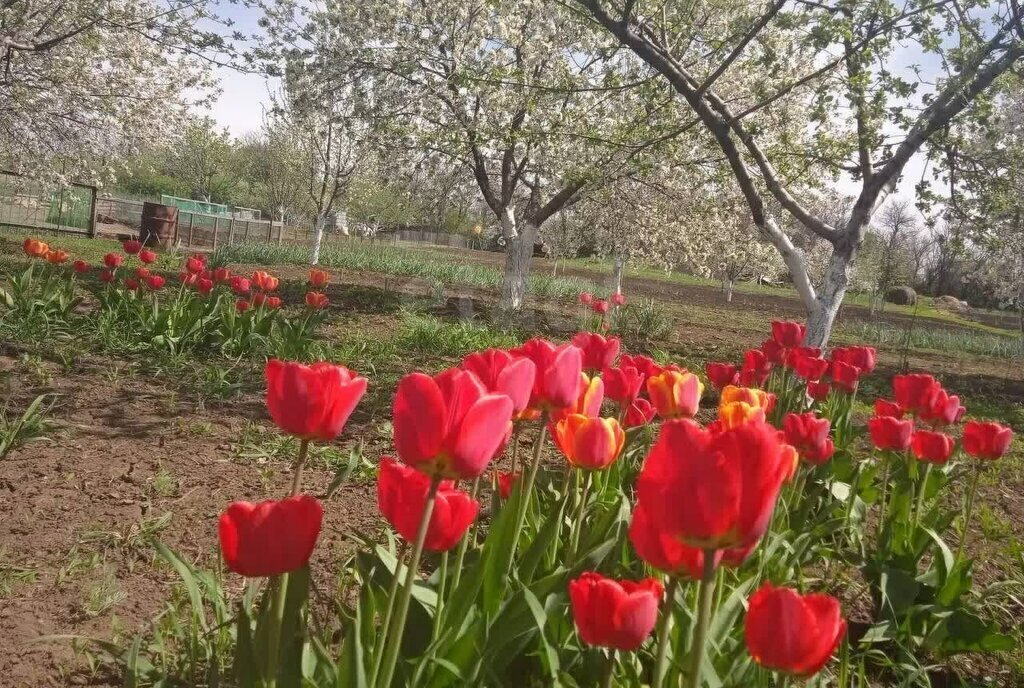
<point x="426" y="334"/>
<point x="922" y="337"/>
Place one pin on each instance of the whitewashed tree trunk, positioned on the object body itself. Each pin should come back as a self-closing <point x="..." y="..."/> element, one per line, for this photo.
<point x="518" y="253"/>
<point x="618" y="264"/>
<point x="821" y="314"/>
<point x="727" y="284"/>
<point x="318" y="238"/>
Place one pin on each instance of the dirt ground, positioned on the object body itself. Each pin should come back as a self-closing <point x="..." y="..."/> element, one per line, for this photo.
<point x="134" y="455"/>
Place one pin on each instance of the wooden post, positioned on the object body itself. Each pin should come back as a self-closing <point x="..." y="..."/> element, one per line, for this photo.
<point x="216" y="222"/>
<point x="231" y="230"/>
<point x="246" y="239"/>
<point x="191" y="227"/>
<point x="92" y="212"/>
<point x="270" y="230"/>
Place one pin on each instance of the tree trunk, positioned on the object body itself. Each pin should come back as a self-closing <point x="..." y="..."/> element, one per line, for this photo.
<point x="518" y="253"/>
<point x="318" y="238"/>
<point x="618" y="264"/>
<point x="728" y="285"/>
<point x="821" y="315"/>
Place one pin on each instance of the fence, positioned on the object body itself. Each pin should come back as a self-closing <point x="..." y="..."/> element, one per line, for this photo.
<point x="28" y="204"/>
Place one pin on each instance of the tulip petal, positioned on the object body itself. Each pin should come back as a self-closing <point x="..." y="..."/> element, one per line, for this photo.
<point x="485" y="424"/>
<point x="419" y="417"/>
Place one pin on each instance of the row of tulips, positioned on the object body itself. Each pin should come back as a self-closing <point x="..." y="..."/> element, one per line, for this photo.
<point x="211" y="307"/>
<point x="701" y="502"/>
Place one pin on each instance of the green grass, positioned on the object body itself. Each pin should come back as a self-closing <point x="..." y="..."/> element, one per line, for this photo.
<point x="925" y="338"/>
<point x="399" y="261"/>
<point x="426" y="334"/>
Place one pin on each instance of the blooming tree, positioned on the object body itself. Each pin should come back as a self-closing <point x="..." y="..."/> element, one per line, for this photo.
<point x="517" y="93"/>
<point x="865" y="119"/>
<point x="85" y="83"/>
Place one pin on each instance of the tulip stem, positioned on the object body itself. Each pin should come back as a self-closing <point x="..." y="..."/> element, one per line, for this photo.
<point x="661" y="665"/>
<point x="515" y="447"/>
<point x="531" y="477"/>
<point x="783" y="682"/>
<point x="470" y="536"/>
<point x="883" y="507"/>
<point x="852" y="497"/>
<point x="968" y="511"/>
<point x="440" y="593"/>
<point x="921" y="489"/>
<point x="609" y="670"/>
<point x="700" y="631"/>
<point x="394" y="641"/>
<point x="382" y="635"/>
<point x="279" y="597"/>
<point x="300" y="463"/>
<point x="578" y="521"/>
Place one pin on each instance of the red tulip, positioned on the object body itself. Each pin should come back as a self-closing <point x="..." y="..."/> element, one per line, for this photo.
<point x="931" y="446"/>
<point x="142" y="273"/>
<point x="586" y="298"/>
<point x="155" y="282"/>
<point x="402" y="495"/>
<point x="80" y="266"/>
<point x="818" y="391"/>
<point x="34" y="248"/>
<point x="502" y="373"/>
<point x="57" y="257"/>
<point x="675" y="394"/>
<point x="884" y="407"/>
<point x="557" y="382"/>
<point x="598" y="352"/>
<point x="774" y="352"/>
<point x="317" y="300"/>
<point x="721" y="375"/>
<point x="318" y="278"/>
<point x="147" y="256"/>
<point x="986" y="440"/>
<point x="259" y="298"/>
<point x="131" y="246"/>
<point x="616" y="614"/>
<point x="449" y="425"/>
<point x="273" y="302"/>
<point x="622" y="385"/>
<point x="644" y="364"/>
<point x="240" y="285"/>
<point x="187" y="278"/>
<point x="661" y="550"/>
<point x="241" y="305"/>
<point x="810" y="368"/>
<point x="590" y="443"/>
<point x="599" y="306"/>
<point x="861" y="357"/>
<point x="809" y="435"/>
<point x="913" y="392"/>
<point x="641" y="412"/>
<point x="113" y="260"/>
<point x="204" y="286"/>
<point x="131" y="284"/>
<point x="195" y="264"/>
<point x="107" y="276"/>
<point x="312" y="402"/>
<point x="714" y="489"/>
<point x="845" y="376"/>
<point x="756" y="368"/>
<point x="889" y="433"/>
<point x="941" y="409"/>
<point x="506" y="479"/>
<point x="271" y="537"/>
<point x="265" y="281"/>
<point x="618" y="299"/>
<point x="788" y="334"/>
<point x="793" y="633"/>
<point x="221" y="275"/>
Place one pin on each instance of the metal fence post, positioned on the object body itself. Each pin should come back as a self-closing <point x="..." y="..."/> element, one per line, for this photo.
<point x="231" y="230"/>
<point x="216" y="222"/>
<point x="92" y="212"/>
<point x="191" y="227"/>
